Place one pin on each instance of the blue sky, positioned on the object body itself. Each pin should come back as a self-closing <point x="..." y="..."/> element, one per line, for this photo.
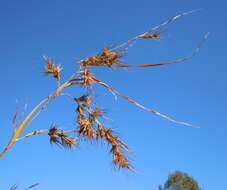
<point x="194" y="91"/>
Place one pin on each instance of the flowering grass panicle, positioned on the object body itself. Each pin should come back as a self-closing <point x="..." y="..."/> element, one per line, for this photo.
<point x="89" y="116"/>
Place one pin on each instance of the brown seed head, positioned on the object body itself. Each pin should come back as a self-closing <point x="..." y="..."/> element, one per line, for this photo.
<point x="85" y="99"/>
<point x="58" y="137"/>
<point x="86" y="129"/>
<point x="106" y="58"/>
<point x="86" y="77"/>
<point x="97" y="112"/>
<point x="90" y="61"/>
<point x="150" y="36"/>
<point x="110" y="58"/>
<point x="106" y="52"/>
<point x="68" y="142"/>
<point x="53" y="133"/>
<point x="119" y="158"/>
<point x="52" y="69"/>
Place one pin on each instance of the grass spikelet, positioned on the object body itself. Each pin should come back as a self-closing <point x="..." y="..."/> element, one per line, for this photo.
<point x="118" y="148"/>
<point x="107" y="58"/>
<point x="84" y="100"/>
<point x="68" y="142"/>
<point x="97" y="112"/>
<point x="52" y="69"/>
<point x="86" y="128"/>
<point x="87" y="78"/>
<point x="155" y="35"/>
<point x="119" y="159"/>
<point x="58" y="137"/>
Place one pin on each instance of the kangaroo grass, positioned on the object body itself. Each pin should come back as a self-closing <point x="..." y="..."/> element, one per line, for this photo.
<point x="88" y="116"/>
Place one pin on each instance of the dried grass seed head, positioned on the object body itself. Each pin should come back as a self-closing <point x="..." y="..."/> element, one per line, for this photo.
<point x="90" y="61"/>
<point x="53" y="134"/>
<point x="86" y="129"/>
<point x="106" y="58"/>
<point x="94" y="114"/>
<point x="156" y="35"/>
<point x="58" y="137"/>
<point x="52" y="69"/>
<point x="119" y="159"/>
<point x="111" y="58"/>
<point x="86" y="77"/>
<point x="114" y="140"/>
<point x="68" y="142"/>
<point x="100" y="133"/>
<point x="84" y="100"/>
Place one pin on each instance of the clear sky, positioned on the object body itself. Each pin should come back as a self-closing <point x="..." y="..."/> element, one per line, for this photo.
<point x="194" y="91"/>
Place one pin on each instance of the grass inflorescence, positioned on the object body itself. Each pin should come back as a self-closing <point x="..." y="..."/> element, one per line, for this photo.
<point x="89" y="116"/>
